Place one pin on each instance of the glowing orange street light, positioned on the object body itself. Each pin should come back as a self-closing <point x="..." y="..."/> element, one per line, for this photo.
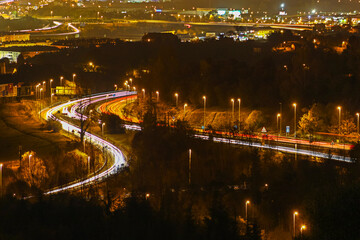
<point x="185" y="105"/>
<point x="246" y="209"/>
<point x="357" y="115"/>
<point x="204" y="97"/>
<point x="74" y="75"/>
<point x="232" y="110"/>
<point x="278" y="118"/>
<point x="157" y="96"/>
<point x="294" y="222"/>
<point x="143" y="91"/>
<point x="303" y="227"/>
<point x="177" y="98"/>
<point x="339" y="108"/>
<point x="239" y="101"/>
<point x="294" y="105"/>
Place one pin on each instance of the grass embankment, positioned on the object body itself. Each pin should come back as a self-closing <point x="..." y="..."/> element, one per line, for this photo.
<point x="20" y="126"/>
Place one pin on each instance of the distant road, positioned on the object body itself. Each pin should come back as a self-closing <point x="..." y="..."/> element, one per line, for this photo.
<point x="115" y="107"/>
<point x="295" y="27"/>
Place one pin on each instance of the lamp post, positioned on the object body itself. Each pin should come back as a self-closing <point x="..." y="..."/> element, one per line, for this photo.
<point x="278" y="119"/>
<point x="232" y="110"/>
<point x="115" y="86"/>
<point x="294" y="223"/>
<point x="61" y="80"/>
<point x="303" y="227"/>
<point x="102" y="128"/>
<point x="36" y="91"/>
<point x="143" y="91"/>
<point x="157" y="96"/>
<point x="294" y="105"/>
<point x="246" y="209"/>
<point x="74" y="75"/>
<point x="50" y="82"/>
<point x="130" y="79"/>
<point x="44" y="86"/>
<point x="1" y="179"/>
<point x="204" y="97"/>
<point x="40" y="92"/>
<point x="185" y="105"/>
<point x="176" y="99"/>
<point x="239" y="101"/>
<point x="357" y="115"/>
<point x="339" y="108"/>
<point x="51" y="98"/>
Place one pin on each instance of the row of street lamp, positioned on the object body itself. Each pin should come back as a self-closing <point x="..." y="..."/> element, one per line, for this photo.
<point x="278" y="116"/>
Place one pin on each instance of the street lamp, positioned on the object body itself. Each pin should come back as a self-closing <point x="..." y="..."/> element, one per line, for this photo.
<point x="40" y="92"/>
<point x="157" y="96"/>
<point x="44" y="86"/>
<point x="303" y="227"/>
<point x="177" y="98"/>
<point x="130" y="79"/>
<point x="185" y="105"/>
<point x="278" y="117"/>
<point x="51" y="98"/>
<point x="239" y="101"/>
<point x="246" y="209"/>
<point x="36" y="91"/>
<point x="50" y="82"/>
<point x="204" y="97"/>
<point x="232" y="109"/>
<point x="294" y="222"/>
<point x="1" y="179"/>
<point x="74" y="75"/>
<point x="143" y="91"/>
<point x="357" y="115"/>
<point x="294" y="105"/>
<point x="61" y="79"/>
<point x="115" y="86"/>
<point x="339" y="108"/>
<point x="102" y="128"/>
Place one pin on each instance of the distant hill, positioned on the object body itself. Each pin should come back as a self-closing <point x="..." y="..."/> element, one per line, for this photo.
<point x="7" y="25"/>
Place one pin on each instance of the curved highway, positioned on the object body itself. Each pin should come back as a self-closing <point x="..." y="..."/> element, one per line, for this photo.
<point x="117" y="155"/>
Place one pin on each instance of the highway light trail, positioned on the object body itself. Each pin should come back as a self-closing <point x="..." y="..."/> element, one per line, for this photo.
<point x="119" y="159"/>
<point x="115" y="152"/>
<point x="106" y="108"/>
